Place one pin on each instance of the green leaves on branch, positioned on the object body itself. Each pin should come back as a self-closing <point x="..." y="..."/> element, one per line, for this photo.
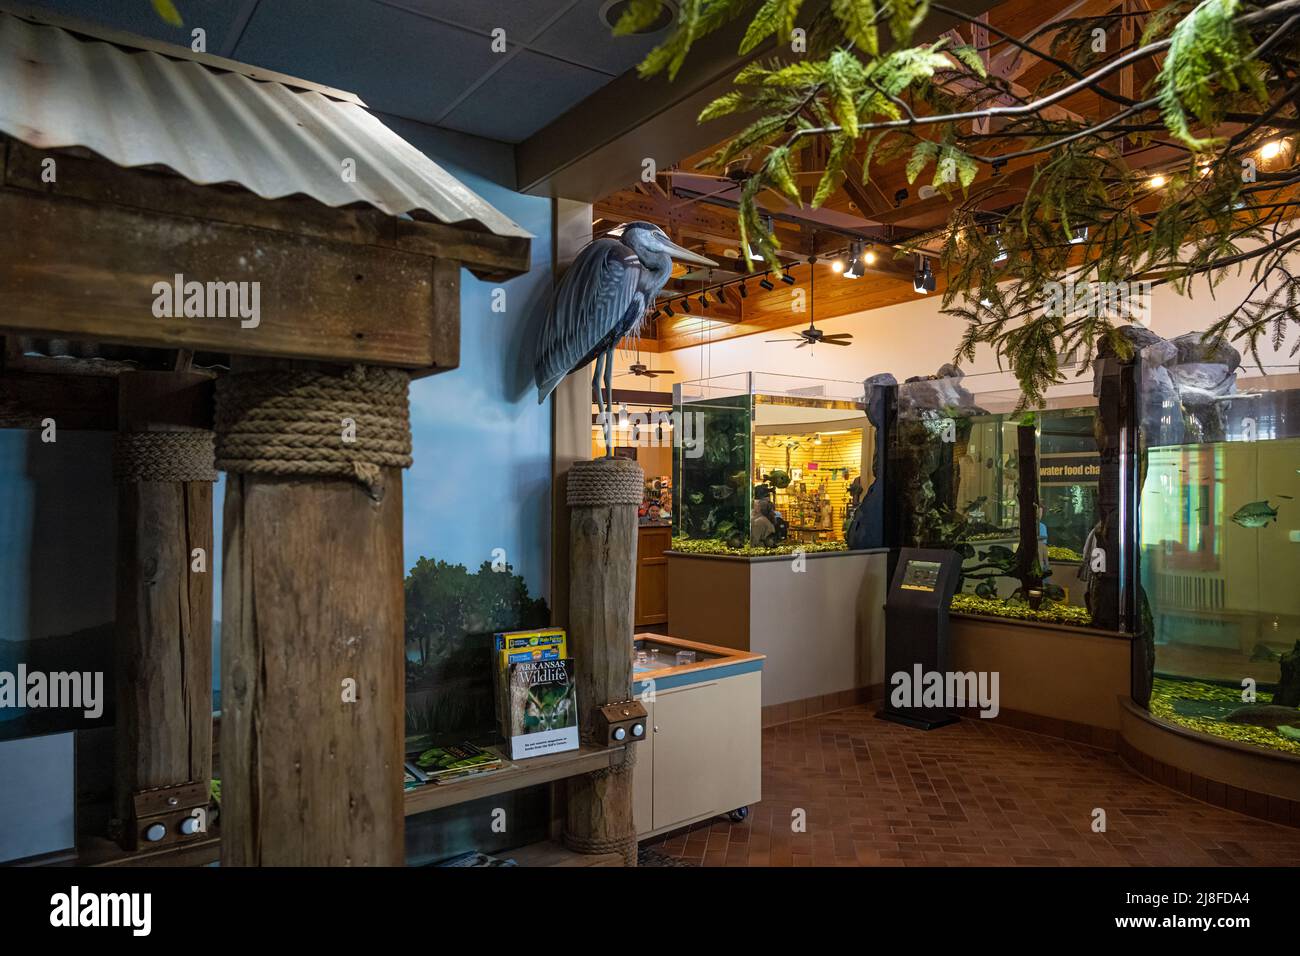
<point x="1208" y="54"/>
<point x="858" y="18"/>
<point x="773" y="17"/>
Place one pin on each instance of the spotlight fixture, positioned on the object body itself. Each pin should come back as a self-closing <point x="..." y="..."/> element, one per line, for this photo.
<point x="1271" y="150"/>
<point x="854" y="271"/>
<point x="1157" y="181"/>
<point x="899" y="197"/>
<point x="1079" y="235"/>
<point x="668" y="309"/>
<point x="686" y="305"/>
<point x="704" y="302"/>
<point x="923" y="280"/>
<point x="744" y="290"/>
<point x="766" y="283"/>
<point x="655" y="314"/>
<point x="721" y="295"/>
<point x="869" y="257"/>
<point x="787" y="278"/>
<point x="837" y="265"/>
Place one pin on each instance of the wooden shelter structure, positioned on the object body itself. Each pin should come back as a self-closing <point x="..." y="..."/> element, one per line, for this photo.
<point x="236" y="270"/>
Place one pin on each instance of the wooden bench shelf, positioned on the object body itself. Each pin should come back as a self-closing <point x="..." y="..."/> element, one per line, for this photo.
<point x="514" y="775"/>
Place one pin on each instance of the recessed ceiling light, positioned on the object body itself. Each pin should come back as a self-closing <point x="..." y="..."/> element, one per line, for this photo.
<point x="611" y="11"/>
<point x="1156" y="181"/>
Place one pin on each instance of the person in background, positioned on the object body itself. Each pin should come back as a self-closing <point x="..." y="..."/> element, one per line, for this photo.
<point x="762" y="529"/>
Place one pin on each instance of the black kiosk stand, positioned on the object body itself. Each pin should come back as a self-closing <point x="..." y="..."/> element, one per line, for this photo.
<point x="916" y="633"/>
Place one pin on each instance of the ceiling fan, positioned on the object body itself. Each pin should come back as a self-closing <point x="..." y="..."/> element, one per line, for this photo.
<point x="639" y="369"/>
<point x="813" y="335"/>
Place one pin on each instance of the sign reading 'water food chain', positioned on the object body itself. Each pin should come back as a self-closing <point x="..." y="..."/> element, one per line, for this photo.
<point x="1070" y="469"/>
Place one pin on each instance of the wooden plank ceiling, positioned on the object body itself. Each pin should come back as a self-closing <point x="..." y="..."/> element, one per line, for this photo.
<point x="698" y="211"/>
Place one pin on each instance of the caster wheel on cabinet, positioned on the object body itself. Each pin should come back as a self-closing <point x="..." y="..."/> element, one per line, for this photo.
<point x="738" y="815"/>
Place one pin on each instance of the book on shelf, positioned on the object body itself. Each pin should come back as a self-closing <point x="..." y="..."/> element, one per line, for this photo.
<point x="542" y="708"/>
<point x="513" y="647"/>
<point x="453" y="762"/>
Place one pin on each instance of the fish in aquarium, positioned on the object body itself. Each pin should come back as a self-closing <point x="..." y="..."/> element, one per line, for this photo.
<point x="1257" y="514"/>
<point x="721" y="492"/>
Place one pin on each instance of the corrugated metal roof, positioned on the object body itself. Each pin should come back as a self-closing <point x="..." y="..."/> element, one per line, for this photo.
<point x="140" y="108"/>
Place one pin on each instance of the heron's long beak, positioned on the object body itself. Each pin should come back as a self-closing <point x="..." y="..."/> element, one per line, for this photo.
<point x="684" y="255"/>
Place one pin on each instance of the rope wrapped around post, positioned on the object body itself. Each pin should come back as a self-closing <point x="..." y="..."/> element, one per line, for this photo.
<point x="604" y="482"/>
<point x="317" y="424"/>
<point x="163" y="456"/>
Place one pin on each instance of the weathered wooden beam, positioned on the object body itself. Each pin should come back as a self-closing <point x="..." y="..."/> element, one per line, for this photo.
<point x="75" y="402"/>
<point x="163" y="638"/>
<point x="88" y="270"/>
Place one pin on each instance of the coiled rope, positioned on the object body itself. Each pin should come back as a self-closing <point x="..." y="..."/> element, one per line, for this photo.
<point x="314" y="423"/>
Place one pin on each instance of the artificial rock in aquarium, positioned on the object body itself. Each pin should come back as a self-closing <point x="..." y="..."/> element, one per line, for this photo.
<point x="1264" y="715"/>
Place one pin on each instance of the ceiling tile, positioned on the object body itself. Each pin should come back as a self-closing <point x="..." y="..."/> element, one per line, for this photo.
<point x="523" y="96"/>
<point x="394" y="60"/>
<point x="581" y="36"/>
<point x="521" y="19"/>
<point x="216" y="17"/>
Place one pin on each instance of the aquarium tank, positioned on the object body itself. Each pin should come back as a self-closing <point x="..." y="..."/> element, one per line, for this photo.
<point x="1220" y="545"/>
<point x="1015" y="492"/>
<point x="766" y="463"/>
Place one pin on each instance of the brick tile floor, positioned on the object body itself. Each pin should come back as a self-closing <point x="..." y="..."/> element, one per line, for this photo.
<point x="969" y="794"/>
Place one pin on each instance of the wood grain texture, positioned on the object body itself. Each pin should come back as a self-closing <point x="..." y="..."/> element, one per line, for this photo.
<point x="164" y="637"/>
<point x="602" y="587"/>
<point x="163" y="645"/>
<point x="68" y="273"/>
<point x="311" y="596"/>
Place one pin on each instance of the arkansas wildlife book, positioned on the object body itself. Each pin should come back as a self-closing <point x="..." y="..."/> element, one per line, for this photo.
<point x="544" y="644"/>
<point x="543" y="708"/>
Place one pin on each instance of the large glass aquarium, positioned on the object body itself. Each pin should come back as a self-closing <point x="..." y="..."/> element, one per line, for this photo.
<point x="1220" y="551"/>
<point x="1014" y="492"/>
<point x="766" y="463"/>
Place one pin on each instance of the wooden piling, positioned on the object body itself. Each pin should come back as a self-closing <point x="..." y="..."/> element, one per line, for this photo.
<point x="163" y="648"/>
<point x="603" y="496"/>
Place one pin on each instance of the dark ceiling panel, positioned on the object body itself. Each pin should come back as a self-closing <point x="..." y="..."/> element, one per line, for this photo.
<point x="216" y="17"/>
<point x="521" y="19"/>
<point x="522" y="97"/>
<point x="581" y="36"/>
<point x="394" y="60"/>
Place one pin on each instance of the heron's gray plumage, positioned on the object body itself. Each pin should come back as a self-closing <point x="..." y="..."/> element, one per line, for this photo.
<point x="597" y="299"/>
<point x="601" y="299"/>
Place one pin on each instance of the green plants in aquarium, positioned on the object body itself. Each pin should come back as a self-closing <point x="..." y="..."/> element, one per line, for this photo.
<point x="1220" y="546"/>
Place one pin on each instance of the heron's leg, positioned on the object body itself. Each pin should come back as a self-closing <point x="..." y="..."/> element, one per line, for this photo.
<point x="600" y="399"/>
<point x="609" y="391"/>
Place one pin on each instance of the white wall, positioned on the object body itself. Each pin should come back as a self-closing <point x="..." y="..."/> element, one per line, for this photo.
<point x="915" y="339"/>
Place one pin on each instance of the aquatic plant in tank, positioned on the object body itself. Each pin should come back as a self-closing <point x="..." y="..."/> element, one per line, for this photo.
<point x="1220" y="542"/>
<point x="1014" y="492"/>
<point x="767" y="464"/>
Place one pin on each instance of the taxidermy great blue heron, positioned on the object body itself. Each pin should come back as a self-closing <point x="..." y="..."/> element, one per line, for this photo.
<point x="602" y="298"/>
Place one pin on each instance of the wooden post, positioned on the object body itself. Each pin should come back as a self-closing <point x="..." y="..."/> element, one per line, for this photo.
<point x="164" y="590"/>
<point x="603" y="496"/>
<point x="313" y="691"/>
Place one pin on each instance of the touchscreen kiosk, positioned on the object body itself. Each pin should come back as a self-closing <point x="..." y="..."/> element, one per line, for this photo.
<point x="916" y="636"/>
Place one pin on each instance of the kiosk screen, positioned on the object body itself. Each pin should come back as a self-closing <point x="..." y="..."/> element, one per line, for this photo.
<point x="921" y="576"/>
